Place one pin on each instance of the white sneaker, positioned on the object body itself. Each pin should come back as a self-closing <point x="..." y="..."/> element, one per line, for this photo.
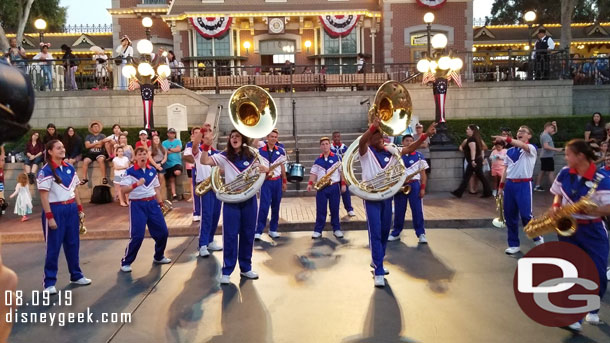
<point x="422" y="239"/>
<point x="379" y="281"/>
<point x="512" y="250"/>
<point x="196" y="218"/>
<point x="274" y="234"/>
<point x="351" y="213"/>
<point x="315" y="235"/>
<point x="249" y="275"/>
<point x="51" y="290"/>
<point x="592" y="318"/>
<point x="393" y="238"/>
<point x="575" y="327"/>
<point x="225" y="279"/>
<point x="126" y="268"/>
<point x="257" y="236"/>
<point x="338" y="233"/>
<point x="164" y="260"/>
<point x="608" y="273"/>
<point x="385" y="270"/>
<point x="213" y="246"/>
<point x="494" y="192"/>
<point x="540" y="241"/>
<point x="82" y="281"/>
<point x="203" y="251"/>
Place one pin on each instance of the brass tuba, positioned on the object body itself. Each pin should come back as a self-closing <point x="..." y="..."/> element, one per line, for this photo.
<point x="393" y="106"/>
<point x="253" y="113"/>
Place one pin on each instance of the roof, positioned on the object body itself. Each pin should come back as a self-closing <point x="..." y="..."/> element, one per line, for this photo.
<point x="79" y="42"/>
<point x="519" y="33"/>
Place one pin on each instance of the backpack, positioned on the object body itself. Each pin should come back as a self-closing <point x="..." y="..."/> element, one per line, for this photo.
<point x="101" y="195"/>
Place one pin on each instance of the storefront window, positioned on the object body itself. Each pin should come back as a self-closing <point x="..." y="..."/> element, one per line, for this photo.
<point x="341" y="46"/>
<point x="348" y="43"/>
<point x="214" y="46"/>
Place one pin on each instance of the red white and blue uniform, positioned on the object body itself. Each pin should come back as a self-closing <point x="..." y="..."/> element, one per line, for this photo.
<point x="188" y="151"/>
<point x="339" y="150"/>
<point x="271" y="191"/>
<point x="238" y="219"/>
<point x="414" y="161"/>
<point x="329" y="194"/>
<point x="518" y="190"/>
<point x="591" y="235"/>
<point x="209" y="205"/>
<point x="65" y="212"/>
<point x="378" y="213"/>
<point x="144" y="211"/>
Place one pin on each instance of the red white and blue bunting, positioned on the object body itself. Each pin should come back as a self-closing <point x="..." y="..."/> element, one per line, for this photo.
<point x="432" y="3"/>
<point x="339" y="25"/>
<point x="211" y="27"/>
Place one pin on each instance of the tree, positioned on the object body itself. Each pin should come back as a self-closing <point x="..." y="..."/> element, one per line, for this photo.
<point x="17" y="16"/>
<point x="567" y="11"/>
<point x="547" y="11"/>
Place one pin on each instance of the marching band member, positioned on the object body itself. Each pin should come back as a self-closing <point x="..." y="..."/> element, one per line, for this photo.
<point x="187" y="155"/>
<point x="516" y="184"/>
<point x="239" y="219"/>
<point x="209" y="205"/>
<point x="141" y="182"/>
<point x="374" y="158"/>
<point x="413" y="161"/>
<point x="572" y="183"/>
<point x="57" y="182"/>
<point x="275" y="184"/>
<point x="339" y="149"/>
<point x="329" y="194"/>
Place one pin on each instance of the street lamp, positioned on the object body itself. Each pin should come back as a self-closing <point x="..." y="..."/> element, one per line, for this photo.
<point x="529" y="18"/>
<point x="147" y="23"/>
<point x="40" y="25"/>
<point x="307" y="45"/>
<point x="428" y="19"/>
<point x="247" y="47"/>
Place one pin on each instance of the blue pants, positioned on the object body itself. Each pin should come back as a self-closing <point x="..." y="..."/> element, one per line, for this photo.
<point x="196" y="199"/>
<point x="328" y="194"/>
<point x="593" y="239"/>
<point x="66" y="233"/>
<point x="400" y="209"/>
<point x="142" y="213"/>
<point x="47" y="74"/>
<point x="239" y="224"/>
<point x="517" y="203"/>
<point x="210" y="214"/>
<point x="379" y="219"/>
<point x="347" y="200"/>
<point x="271" y="195"/>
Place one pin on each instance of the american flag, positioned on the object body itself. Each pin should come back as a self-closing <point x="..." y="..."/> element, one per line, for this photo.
<point x="133" y="84"/>
<point x="456" y="77"/>
<point x="164" y="84"/>
<point x="428" y="77"/>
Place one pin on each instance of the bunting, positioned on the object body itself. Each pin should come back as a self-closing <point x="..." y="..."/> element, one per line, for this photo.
<point x="211" y="27"/>
<point x="339" y="25"/>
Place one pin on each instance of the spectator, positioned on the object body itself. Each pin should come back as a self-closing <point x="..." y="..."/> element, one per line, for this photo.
<point x="144" y="141"/>
<point x="73" y="145"/>
<point x="51" y="134"/>
<point x="46" y="66"/>
<point x="70" y="65"/>
<point x="34" y="150"/>
<point x="176" y="67"/>
<point x="361" y="63"/>
<point x="157" y="156"/>
<point x="101" y="70"/>
<point x="543" y="46"/>
<point x="505" y="132"/>
<point x="16" y="55"/>
<point x="595" y="129"/>
<point x="497" y="163"/>
<point x="123" y="57"/>
<point x="95" y="151"/>
<point x="127" y="149"/>
<point x="111" y="141"/>
<point x="473" y="152"/>
<point x="23" y="205"/>
<point x="120" y="163"/>
<point x="287" y="69"/>
<point x="547" y="163"/>
<point x="603" y="73"/>
<point x="600" y="156"/>
<point x="424" y="148"/>
<point x="576" y="70"/>
<point x="173" y="165"/>
<point x="307" y="70"/>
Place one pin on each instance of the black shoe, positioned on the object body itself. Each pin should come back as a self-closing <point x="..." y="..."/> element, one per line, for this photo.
<point x="487" y="195"/>
<point x="175" y="198"/>
<point x="456" y="194"/>
<point x="31" y="178"/>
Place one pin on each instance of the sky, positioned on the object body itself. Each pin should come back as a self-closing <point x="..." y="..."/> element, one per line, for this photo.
<point x="94" y="11"/>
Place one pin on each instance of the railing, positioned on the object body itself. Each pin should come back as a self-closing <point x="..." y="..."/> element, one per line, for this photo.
<point x="105" y="28"/>
<point x="154" y="2"/>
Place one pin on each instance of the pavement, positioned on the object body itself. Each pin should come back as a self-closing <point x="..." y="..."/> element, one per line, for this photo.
<point x="111" y="221"/>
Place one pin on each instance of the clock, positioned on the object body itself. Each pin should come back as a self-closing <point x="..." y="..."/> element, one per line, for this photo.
<point x="276" y="25"/>
<point x="432" y="3"/>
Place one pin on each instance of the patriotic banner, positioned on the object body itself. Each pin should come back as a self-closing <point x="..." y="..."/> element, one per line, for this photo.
<point x="432" y="3"/>
<point x="428" y="77"/>
<point x="456" y="77"/>
<point x="133" y="84"/>
<point x="164" y="84"/>
<point x="339" y="25"/>
<point x="440" y="95"/>
<point x="211" y="27"/>
<point x="148" y="95"/>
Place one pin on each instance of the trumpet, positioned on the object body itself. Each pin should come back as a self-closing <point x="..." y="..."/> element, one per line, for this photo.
<point x="82" y="229"/>
<point x="406" y="189"/>
<point x="166" y="207"/>
<point x="499" y="221"/>
<point x="325" y="180"/>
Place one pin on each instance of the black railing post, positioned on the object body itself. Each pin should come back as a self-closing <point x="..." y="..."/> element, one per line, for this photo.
<point x="216" y="85"/>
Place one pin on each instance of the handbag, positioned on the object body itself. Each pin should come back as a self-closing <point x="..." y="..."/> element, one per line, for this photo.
<point x="101" y="195"/>
<point x="119" y="61"/>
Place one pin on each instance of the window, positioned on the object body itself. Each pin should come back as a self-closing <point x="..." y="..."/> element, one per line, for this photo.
<point x="214" y="46"/>
<point x="348" y="43"/>
<point x="279" y="59"/>
<point x="341" y="46"/>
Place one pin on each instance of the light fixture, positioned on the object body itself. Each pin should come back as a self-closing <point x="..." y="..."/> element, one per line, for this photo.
<point x="40" y="24"/>
<point x="439" y="41"/>
<point x="423" y="66"/>
<point x="433" y="66"/>
<point x="147" y="22"/>
<point x="308" y="44"/>
<point x="129" y="71"/>
<point x="474" y="49"/>
<point x="246" y="45"/>
<point x="428" y="17"/>
<point x="444" y="63"/>
<point x="529" y="16"/>
<point x="145" y="47"/>
<point x="526" y="48"/>
<point x="145" y="69"/>
<point x="164" y="54"/>
<point x="163" y="70"/>
<point x="456" y="63"/>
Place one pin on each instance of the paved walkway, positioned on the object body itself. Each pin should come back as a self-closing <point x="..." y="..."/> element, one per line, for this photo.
<point x="297" y="214"/>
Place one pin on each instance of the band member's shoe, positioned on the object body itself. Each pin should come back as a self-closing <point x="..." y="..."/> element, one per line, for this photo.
<point x="338" y="233"/>
<point x="82" y="281"/>
<point x="422" y="239"/>
<point x="540" y="241"/>
<point x="126" y="268"/>
<point x="608" y="273"/>
<point x="225" y="279"/>
<point x="164" y="260"/>
<point x="203" y="251"/>
<point x="512" y="250"/>
<point x="592" y="318"/>
<point x="51" y="290"/>
<point x="351" y="213"/>
<point x="257" y="236"/>
<point x="196" y="218"/>
<point x="379" y="281"/>
<point x="249" y="275"/>
<point x="315" y="235"/>
<point x="575" y="327"/>
<point x="385" y="270"/>
<point x="456" y="194"/>
<point x="274" y="234"/>
<point x="213" y="246"/>
<point x="393" y="238"/>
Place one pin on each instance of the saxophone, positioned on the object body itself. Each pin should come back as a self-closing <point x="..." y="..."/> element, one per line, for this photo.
<point x="499" y="221"/>
<point x="324" y="181"/>
<point x="81" y="225"/>
<point x="562" y="221"/>
<point x="406" y="189"/>
<point x="277" y="163"/>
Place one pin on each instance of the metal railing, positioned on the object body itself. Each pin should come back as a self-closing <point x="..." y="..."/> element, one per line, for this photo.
<point x="101" y="28"/>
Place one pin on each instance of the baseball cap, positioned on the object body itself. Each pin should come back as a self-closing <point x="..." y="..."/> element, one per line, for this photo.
<point x="143" y="132"/>
<point x="171" y="130"/>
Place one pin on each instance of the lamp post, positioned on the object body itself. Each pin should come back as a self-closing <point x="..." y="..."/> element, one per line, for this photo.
<point x="147" y="23"/>
<point x="40" y="25"/>
<point x="428" y="19"/>
<point x="529" y="18"/>
<point x="247" y="47"/>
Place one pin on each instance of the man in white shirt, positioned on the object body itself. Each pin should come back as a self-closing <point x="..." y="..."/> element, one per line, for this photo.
<point x="543" y="46"/>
